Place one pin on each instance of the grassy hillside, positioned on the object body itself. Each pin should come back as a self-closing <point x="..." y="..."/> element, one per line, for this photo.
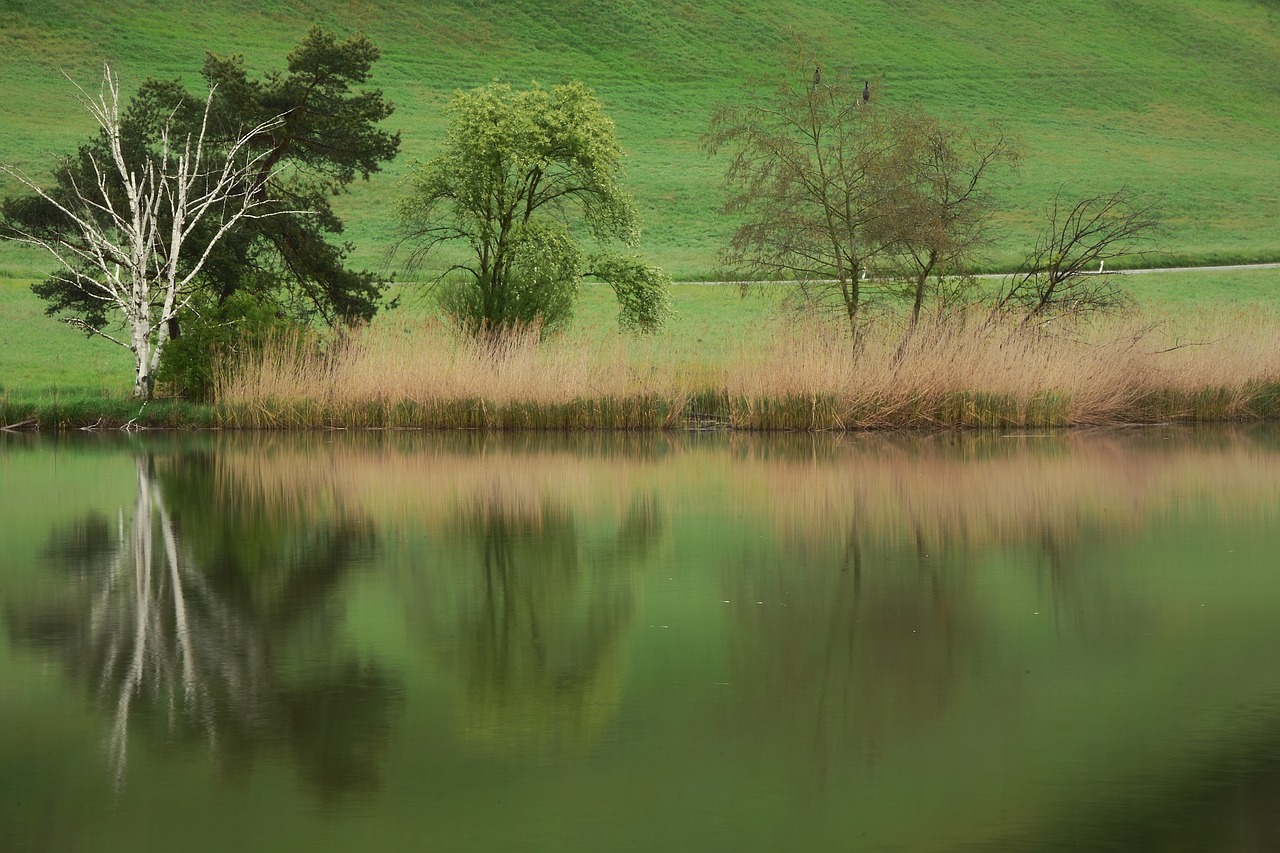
<point x="1174" y="96"/>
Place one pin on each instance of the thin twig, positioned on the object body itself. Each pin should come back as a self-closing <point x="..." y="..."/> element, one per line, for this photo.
<point x="1191" y="344"/>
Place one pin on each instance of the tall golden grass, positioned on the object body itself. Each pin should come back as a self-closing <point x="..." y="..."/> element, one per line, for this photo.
<point x="400" y="374"/>
<point x="958" y="370"/>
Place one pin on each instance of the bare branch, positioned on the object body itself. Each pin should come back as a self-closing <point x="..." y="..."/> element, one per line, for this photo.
<point x="78" y="323"/>
<point x="1059" y="274"/>
<point x="827" y="184"/>
<point x="137" y="249"/>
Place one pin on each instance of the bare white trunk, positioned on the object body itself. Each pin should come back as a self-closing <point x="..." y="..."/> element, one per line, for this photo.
<point x="123" y="255"/>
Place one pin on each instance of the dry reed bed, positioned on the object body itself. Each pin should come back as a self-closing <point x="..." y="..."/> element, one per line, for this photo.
<point x="957" y="371"/>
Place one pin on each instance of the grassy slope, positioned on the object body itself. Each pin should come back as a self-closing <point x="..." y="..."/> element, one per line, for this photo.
<point x="39" y="357"/>
<point x="1174" y="96"/>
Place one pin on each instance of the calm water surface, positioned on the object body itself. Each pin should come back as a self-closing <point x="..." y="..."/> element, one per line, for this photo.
<point x="704" y="643"/>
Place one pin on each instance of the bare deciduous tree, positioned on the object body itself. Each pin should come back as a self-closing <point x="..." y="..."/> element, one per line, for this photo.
<point x="1065" y="271"/>
<point x="131" y="239"/>
<point x="940" y="218"/>
<point x="805" y="183"/>
<point x="829" y="183"/>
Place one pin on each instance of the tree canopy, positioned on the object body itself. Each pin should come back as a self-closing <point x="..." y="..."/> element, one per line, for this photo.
<point x="133" y="236"/>
<point x="324" y="133"/>
<point x="801" y="183"/>
<point x="831" y="187"/>
<point x="939" y="215"/>
<point x="522" y="177"/>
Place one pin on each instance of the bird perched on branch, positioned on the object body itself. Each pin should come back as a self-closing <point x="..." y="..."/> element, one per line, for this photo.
<point x="817" y="76"/>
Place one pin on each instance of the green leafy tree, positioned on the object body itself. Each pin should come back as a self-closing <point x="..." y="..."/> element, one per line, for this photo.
<point x="301" y="137"/>
<point x="521" y="176"/>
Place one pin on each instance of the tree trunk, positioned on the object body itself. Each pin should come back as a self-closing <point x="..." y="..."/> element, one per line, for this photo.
<point x="851" y="290"/>
<point x="922" y="280"/>
<point x="144" y="382"/>
<point x="142" y="388"/>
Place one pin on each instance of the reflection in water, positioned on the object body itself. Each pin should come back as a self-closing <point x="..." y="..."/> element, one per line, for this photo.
<point x="848" y="647"/>
<point x="867" y="637"/>
<point x="525" y="589"/>
<point x="923" y="642"/>
<point x="529" y="615"/>
<point x="185" y="649"/>
<point x="865" y="627"/>
<point x="1231" y="802"/>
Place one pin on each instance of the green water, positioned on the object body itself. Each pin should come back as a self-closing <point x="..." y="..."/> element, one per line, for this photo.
<point x="708" y="643"/>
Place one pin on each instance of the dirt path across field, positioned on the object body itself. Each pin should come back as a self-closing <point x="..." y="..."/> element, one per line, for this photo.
<point x="1219" y="268"/>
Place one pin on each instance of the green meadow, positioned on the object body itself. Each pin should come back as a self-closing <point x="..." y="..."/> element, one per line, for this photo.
<point x="1171" y="97"/>
<point x="1177" y="100"/>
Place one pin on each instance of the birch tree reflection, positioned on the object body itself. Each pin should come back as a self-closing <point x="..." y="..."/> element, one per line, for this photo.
<point x="168" y="648"/>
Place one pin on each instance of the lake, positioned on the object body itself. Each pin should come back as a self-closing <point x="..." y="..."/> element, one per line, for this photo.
<point x="704" y="642"/>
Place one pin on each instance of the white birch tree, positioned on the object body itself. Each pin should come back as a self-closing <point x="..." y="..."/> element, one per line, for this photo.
<point x="136" y="244"/>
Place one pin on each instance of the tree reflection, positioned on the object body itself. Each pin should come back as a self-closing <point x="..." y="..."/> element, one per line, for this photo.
<point x="161" y="623"/>
<point x="1230" y="802"/>
<point x="857" y="639"/>
<point x="528" y="612"/>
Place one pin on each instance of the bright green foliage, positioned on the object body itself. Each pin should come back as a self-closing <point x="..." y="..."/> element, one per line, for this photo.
<point x="545" y="274"/>
<point x="643" y="292"/>
<point x="520" y="174"/>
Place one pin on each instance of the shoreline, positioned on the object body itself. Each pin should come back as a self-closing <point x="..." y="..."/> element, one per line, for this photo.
<point x="707" y="411"/>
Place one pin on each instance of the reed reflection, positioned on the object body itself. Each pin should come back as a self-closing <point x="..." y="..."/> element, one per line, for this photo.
<point x="182" y="619"/>
<point x="527" y="610"/>
<point x="881" y="603"/>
